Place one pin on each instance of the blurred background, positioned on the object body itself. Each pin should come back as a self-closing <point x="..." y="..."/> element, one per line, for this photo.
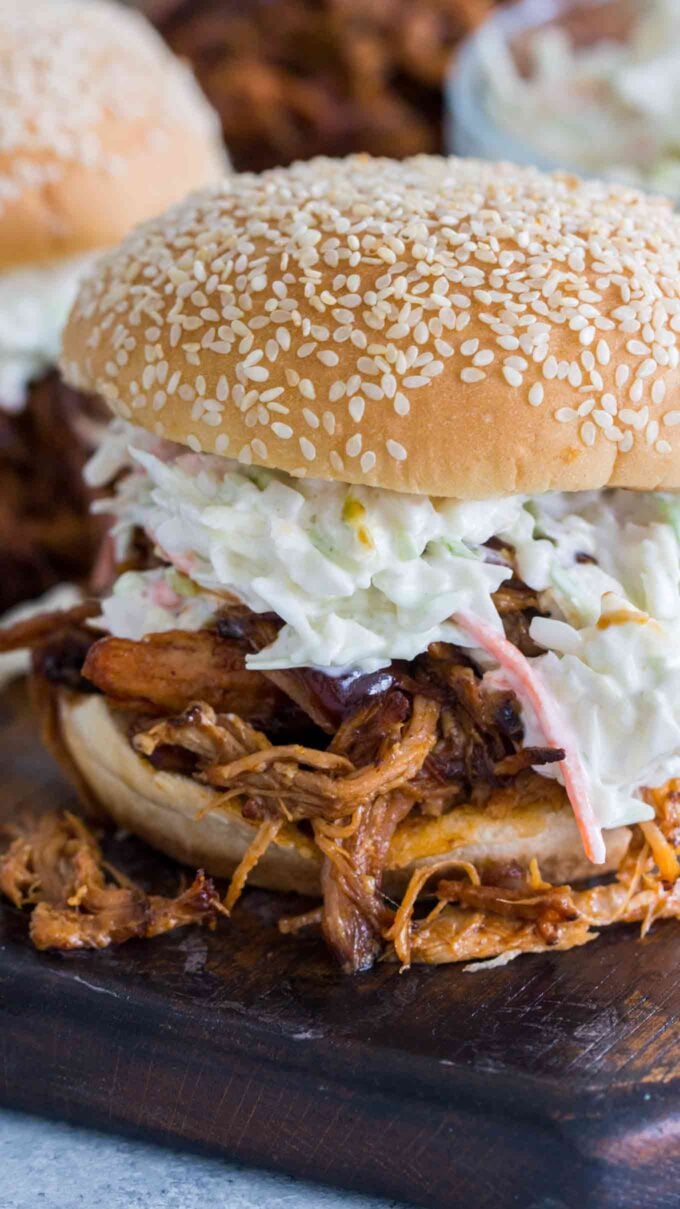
<point x="588" y="85"/>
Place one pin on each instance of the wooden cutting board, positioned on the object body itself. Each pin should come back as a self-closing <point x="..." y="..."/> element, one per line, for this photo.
<point x="552" y="1083"/>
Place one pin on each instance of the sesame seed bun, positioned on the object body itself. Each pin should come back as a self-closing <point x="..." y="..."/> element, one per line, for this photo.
<point x="191" y="822"/>
<point x="441" y="326"/>
<point x="102" y="127"/>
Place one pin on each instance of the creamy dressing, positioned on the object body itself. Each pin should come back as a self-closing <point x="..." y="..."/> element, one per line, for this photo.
<point x="361" y="576"/>
<point x="34" y="304"/>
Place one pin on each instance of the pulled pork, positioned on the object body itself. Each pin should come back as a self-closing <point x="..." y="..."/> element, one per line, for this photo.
<point x="472" y="920"/>
<point x="54" y="865"/>
<point x="347" y="760"/>
<point x="317" y="77"/>
<point x="47" y="534"/>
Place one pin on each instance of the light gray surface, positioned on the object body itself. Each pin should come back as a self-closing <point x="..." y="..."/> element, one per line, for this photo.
<point x="46" y="1165"/>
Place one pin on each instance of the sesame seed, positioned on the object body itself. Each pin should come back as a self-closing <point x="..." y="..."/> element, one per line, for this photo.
<point x="468" y="374"/>
<point x="367" y="461"/>
<point x="671" y="419"/>
<point x="356" y="408"/>
<point x="602" y="352"/>
<point x="588" y="432"/>
<point x="307" y="449"/>
<point x="512" y="376"/>
<point x="396" y="450"/>
<point x="284" y="431"/>
<point x="602" y="418"/>
<point x="536" y="394"/>
<point x="353" y="445"/>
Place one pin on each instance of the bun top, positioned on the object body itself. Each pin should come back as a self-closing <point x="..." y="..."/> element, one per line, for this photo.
<point x="97" y="118"/>
<point x="442" y="326"/>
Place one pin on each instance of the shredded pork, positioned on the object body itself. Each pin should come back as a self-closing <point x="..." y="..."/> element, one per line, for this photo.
<point x="346" y="761"/>
<point x="487" y="921"/>
<point x="47" y="534"/>
<point x="55" y="866"/>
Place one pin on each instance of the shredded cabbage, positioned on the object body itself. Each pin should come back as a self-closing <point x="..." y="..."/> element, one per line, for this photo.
<point x="359" y="576"/>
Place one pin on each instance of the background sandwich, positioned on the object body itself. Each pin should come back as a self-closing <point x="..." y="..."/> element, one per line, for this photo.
<point x="398" y="610"/>
<point x="102" y="127"/>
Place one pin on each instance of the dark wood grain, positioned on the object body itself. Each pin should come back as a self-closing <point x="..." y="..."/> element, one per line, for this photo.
<point x="552" y="1083"/>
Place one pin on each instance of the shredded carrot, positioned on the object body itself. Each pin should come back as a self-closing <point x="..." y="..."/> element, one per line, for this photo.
<point x="519" y="670"/>
<point x="662" y="851"/>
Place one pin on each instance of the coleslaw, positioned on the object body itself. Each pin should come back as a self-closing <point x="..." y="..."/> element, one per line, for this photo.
<point x="609" y="107"/>
<point x="34" y="303"/>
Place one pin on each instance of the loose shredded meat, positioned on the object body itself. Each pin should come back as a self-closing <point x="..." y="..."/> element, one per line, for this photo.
<point x="549" y="907"/>
<point x="54" y="865"/>
<point x="265" y="835"/>
<point x="488" y="921"/>
<point x="47" y="533"/>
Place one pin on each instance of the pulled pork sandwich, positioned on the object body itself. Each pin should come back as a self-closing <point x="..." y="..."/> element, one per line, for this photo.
<point x="101" y="127"/>
<point x="397" y="617"/>
<point x="292" y="78"/>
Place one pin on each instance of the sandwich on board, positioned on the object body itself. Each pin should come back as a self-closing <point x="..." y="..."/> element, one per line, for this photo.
<point x="396" y="618"/>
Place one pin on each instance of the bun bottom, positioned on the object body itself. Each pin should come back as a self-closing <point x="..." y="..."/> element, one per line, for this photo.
<point x="186" y="821"/>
